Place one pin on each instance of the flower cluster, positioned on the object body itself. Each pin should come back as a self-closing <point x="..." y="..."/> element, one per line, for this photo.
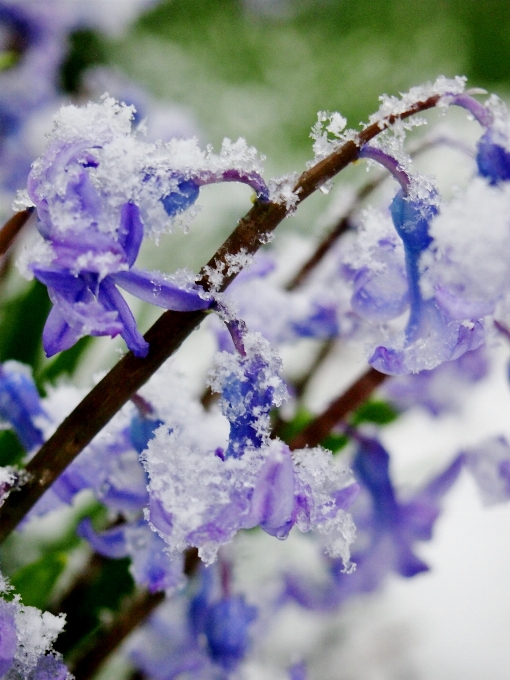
<point x="178" y="481"/>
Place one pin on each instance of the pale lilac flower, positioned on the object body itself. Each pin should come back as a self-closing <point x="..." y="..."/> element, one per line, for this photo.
<point x="99" y="190"/>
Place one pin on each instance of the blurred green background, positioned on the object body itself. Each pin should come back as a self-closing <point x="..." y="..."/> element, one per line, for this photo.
<point x="263" y="69"/>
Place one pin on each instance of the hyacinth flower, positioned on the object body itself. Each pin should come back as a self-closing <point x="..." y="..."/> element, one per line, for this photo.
<point x="388" y="530"/>
<point x="466" y="267"/>
<point x="281" y="316"/>
<point x="98" y="191"/>
<point x="110" y="465"/>
<point x="205" y="633"/>
<point x="431" y="335"/>
<point x="252" y="480"/>
<point x="493" y="148"/>
<point x="20" y="404"/>
<point x="151" y="566"/>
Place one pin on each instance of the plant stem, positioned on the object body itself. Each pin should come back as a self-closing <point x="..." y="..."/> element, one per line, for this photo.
<point x="12" y="228"/>
<point x="169" y="332"/>
<point x="346" y="403"/>
<point x="107" y="640"/>
<point x="139" y="608"/>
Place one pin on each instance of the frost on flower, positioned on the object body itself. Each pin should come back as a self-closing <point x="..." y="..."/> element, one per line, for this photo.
<point x="250" y="385"/>
<point x="431" y="335"/>
<point x="466" y="265"/>
<point x="203" y="491"/>
<point x="26" y="639"/>
<point x="99" y="190"/>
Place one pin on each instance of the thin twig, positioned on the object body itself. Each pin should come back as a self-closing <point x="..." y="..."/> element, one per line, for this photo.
<point x="12" y="228"/>
<point x="139" y="608"/>
<point x="107" y="640"/>
<point x="168" y="333"/>
<point x="345" y="404"/>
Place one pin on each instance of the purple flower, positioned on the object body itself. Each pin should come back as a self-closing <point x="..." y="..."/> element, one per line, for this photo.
<point x="226" y="629"/>
<point x="431" y="335"/>
<point x="49" y="667"/>
<point x="8" y="636"/>
<point x="20" y="404"/>
<point x="493" y="153"/>
<point x="99" y="190"/>
<point x="440" y="390"/>
<point x="250" y="387"/>
<point x="151" y="566"/>
<point x="388" y="529"/>
<point x="489" y="463"/>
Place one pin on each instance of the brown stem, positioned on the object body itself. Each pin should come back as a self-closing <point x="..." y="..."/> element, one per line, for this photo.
<point x="138" y="609"/>
<point x="168" y="333"/>
<point x="345" y="404"/>
<point x="86" y="665"/>
<point x="12" y="228"/>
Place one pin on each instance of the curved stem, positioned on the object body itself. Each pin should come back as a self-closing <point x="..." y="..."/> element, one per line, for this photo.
<point x="389" y="162"/>
<point x="170" y="331"/>
<point x="345" y="222"/>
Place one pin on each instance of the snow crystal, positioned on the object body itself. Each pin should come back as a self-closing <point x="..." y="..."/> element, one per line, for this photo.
<point x="466" y="266"/>
<point x="37" y="631"/>
<point x="394" y="106"/>
<point x="281" y="191"/>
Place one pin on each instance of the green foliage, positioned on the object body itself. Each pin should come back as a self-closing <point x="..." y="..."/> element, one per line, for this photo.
<point x="289" y="430"/>
<point x="377" y="412"/>
<point x="8" y="59"/>
<point x="86" y="49"/>
<point x="335" y="442"/>
<point x="11" y="451"/>
<point x="22" y="319"/>
<point x="35" y="582"/>
<point x="64" y="363"/>
<point x="105" y="585"/>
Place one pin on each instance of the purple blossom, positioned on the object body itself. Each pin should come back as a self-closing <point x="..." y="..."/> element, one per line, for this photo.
<point x="151" y="566"/>
<point x="8" y="637"/>
<point x="49" y="667"/>
<point x="489" y="463"/>
<point x="440" y="390"/>
<point x="206" y="634"/>
<point x="431" y="336"/>
<point x="493" y="154"/>
<point x="388" y="529"/>
<point x="20" y="404"/>
<point x="250" y="387"/>
<point x="226" y="629"/>
<point x="99" y="190"/>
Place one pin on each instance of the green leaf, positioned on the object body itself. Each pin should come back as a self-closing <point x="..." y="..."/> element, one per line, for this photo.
<point x="11" y="451"/>
<point x="335" y="442"/>
<point x="292" y="428"/>
<point x="23" y="320"/>
<point x="377" y="412"/>
<point x="8" y="59"/>
<point x="35" y="582"/>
